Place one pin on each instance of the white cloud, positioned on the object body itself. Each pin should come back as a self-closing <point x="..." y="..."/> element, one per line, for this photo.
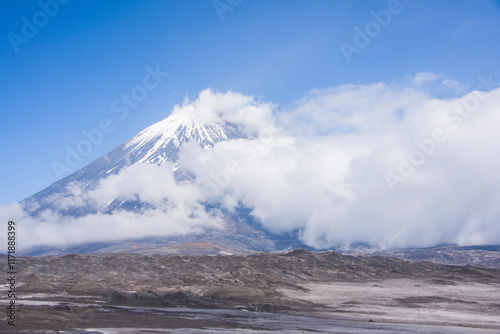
<point x="424" y="77"/>
<point x="325" y="173"/>
<point x="437" y="84"/>
<point x="235" y="108"/>
<point x="454" y="85"/>
<point x="174" y="209"/>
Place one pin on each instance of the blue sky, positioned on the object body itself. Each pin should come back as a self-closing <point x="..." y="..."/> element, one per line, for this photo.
<point x="64" y="78"/>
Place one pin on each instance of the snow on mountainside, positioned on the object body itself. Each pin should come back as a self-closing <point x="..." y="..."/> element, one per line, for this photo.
<point x="155" y="145"/>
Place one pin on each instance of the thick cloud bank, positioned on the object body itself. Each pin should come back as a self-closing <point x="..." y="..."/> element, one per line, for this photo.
<point x="389" y="165"/>
<point x="174" y="208"/>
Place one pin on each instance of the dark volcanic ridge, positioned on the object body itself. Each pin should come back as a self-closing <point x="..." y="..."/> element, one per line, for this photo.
<point x="479" y="255"/>
<point x="244" y="239"/>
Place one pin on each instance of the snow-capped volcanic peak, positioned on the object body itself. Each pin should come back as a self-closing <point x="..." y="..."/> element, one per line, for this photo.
<point x="159" y="142"/>
<point x="179" y="127"/>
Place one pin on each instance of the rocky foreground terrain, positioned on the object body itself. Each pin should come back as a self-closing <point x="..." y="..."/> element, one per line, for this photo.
<point x="296" y="292"/>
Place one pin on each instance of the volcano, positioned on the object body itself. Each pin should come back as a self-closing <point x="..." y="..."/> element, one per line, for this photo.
<point x="158" y="145"/>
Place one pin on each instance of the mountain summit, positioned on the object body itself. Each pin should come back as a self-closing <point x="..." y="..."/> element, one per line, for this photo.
<point x="161" y="141"/>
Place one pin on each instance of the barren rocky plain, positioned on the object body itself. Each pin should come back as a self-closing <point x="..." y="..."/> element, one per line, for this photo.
<point x="295" y="292"/>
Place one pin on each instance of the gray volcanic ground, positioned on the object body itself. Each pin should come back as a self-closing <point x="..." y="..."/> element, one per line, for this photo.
<point x="297" y="292"/>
